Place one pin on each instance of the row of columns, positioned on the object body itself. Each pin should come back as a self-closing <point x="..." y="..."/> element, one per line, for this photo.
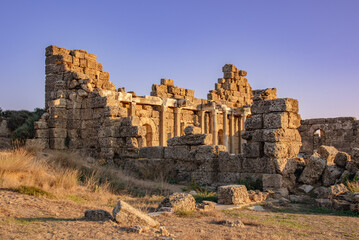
<point x="228" y="126"/>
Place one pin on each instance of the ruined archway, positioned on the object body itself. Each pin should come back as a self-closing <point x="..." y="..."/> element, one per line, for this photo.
<point x="151" y="136"/>
<point x="318" y="138"/>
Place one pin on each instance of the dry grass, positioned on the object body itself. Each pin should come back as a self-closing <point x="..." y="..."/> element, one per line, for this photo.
<point x="21" y="168"/>
<point x="69" y="176"/>
<point x="353" y="186"/>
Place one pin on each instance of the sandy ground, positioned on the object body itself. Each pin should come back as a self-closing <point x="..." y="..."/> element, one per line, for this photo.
<point x="28" y="217"/>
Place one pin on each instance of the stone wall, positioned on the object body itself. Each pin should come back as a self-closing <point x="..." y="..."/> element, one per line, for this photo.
<point x="234" y="134"/>
<point x="233" y="89"/>
<point x="342" y="133"/>
<point x="273" y="143"/>
<point x="85" y="112"/>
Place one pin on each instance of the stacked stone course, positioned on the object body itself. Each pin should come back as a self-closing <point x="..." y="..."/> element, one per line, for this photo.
<point x="167" y="89"/>
<point x="233" y="89"/>
<point x="273" y="141"/>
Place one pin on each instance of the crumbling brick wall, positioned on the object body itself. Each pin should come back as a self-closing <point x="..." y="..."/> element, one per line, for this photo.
<point x="342" y="133"/>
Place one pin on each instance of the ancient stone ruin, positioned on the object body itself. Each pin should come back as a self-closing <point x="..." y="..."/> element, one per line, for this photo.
<point x="234" y="134"/>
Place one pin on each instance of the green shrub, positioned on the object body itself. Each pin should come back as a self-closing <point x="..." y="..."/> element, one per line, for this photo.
<point x="251" y="184"/>
<point x="33" y="191"/>
<point x="21" y="123"/>
<point x="206" y="196"/>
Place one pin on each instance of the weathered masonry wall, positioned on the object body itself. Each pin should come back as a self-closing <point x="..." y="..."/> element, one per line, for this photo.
<point x="342" y="133"/>
<point x="87" y="113"/>
<point x="273" y="141"/>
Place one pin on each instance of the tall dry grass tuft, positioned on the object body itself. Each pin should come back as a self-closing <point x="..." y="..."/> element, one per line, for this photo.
<point x="108" y="178"/>
<point x="70" y="176"/>
<point x="18" y="167"/>
<point x="353" y="186"/>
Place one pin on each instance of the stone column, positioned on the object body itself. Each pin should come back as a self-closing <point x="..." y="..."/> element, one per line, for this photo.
<point x="177" y="112"/>
<point x="163" y="128"/>
<point x="214" y="127"/>
<point x="201" y="116"/>
<point x="231" y="132"/>
<point x="242" y="120"/>
<point x="132" y="109"/>
<point x="225" y="128"/>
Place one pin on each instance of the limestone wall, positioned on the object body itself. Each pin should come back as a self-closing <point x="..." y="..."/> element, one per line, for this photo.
<point x="273" y="143"/>
<point x="233" y="89"/>
<point x="342" y="133"/>
<point x="85" y="111"/>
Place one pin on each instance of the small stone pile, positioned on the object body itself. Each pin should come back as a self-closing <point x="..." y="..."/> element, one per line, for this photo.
<point x="178" y="202"/>
<point x="238" y="194"/>
<point x="233" y="88"/>
<point x="167" y="89"/>
<point x="323" y="177"/>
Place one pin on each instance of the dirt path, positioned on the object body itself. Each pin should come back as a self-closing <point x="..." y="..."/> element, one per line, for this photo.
<point x="28" y="217"/>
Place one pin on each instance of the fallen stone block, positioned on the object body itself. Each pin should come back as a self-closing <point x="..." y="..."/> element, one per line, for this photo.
<point x="331" y="174"/>
<point x="98" y="215"/>
<point x="190" y="130"/>
<point x="125" y="214"/>
<point x="328" y="152"/>
<point x="206" y="206"/>
<point x="233" y="195"/>
<point x="313" y="170"/>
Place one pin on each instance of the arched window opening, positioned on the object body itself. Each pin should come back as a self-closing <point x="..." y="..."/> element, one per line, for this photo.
<point x="220" y="137"/>
<point x="318" y="138"/>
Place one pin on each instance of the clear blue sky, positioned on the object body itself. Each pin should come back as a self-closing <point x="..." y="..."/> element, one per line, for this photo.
<point x="307" y="49"/>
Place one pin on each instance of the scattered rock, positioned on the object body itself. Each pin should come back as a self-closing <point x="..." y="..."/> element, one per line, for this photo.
<point x="192" y="192"/>
<point x="206" y="206"/>
<point x="341" y="159"/>
<point x="189" y="130"/>
<point x="331" y="174"/>
<point x="257" y="196"/>
<point x="126" y="214"/>
<point x="340" y="205"/>
<point x="257" y="208"/>
<point x="300" y="198"/>
<point x="323" y="203"/>
<point x="344" y="177"/>
<point x="236" y="223"/>
<point x="179" y="202"/>
<point x="321" y="192"/>
<point x="163" y="231"/>
<point x="98" y="215"/>
<point x="356" y="198"/>
<point x="306" y="188"/>
<point x="354" y="208"/>
<point x="136" y="229"/>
